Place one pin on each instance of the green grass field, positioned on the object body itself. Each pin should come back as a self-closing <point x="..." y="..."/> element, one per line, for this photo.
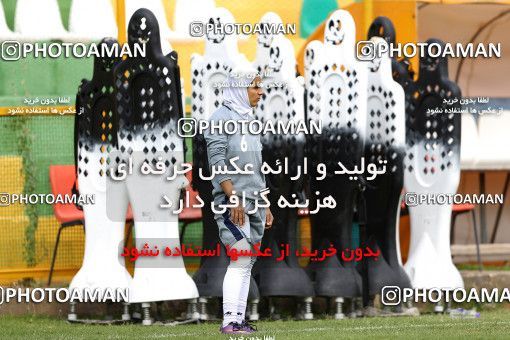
<point x="491" y="324"/>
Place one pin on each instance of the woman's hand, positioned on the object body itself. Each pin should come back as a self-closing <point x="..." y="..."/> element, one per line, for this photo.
<point x="237" y="214"/>
<point x="269" y="219"/>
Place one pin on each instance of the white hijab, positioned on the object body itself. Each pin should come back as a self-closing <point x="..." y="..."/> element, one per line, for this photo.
<point x="235" y="93"/>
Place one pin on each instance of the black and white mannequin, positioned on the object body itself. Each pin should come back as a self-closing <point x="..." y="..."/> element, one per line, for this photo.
<point x="313" y="53"/>
<point x="208" y="72"/>
<point x="156" y="7"/>
<point x="383" y="27"/>
<point x="96" y="131"/>
<point x="384" y="147"/>
<point x="337" y="96"/>
<point x="282" y="101"/>
<point x="149" y="104"/>
<point x="264" y="41"/>
<point x="432" y="167"/>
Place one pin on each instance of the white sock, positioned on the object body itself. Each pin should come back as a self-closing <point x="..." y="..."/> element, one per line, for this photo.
<point x="245" y="289"/>
<point x="238" y="272"/>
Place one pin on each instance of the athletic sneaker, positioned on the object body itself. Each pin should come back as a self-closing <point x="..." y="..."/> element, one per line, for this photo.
<point x="248" y="327"/>
<point x="232" y="328"/>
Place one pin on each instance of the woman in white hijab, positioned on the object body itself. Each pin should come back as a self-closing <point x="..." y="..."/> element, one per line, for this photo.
<point x="238" y="229"/>
<point x="240" y="84"/>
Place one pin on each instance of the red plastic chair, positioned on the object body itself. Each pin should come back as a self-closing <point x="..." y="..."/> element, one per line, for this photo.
<point x="458" y="209"/>
<point x="62" y="178"/>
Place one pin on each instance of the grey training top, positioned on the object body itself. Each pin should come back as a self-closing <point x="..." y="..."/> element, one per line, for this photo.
<point x="222" y="147"/>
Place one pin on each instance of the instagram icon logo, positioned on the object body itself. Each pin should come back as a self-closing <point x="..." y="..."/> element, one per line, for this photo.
<point x="391" y="295"/>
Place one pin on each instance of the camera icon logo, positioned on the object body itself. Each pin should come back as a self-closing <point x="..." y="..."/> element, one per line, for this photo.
<point x="187" y="127"/>
<point x="196" y="29"/>
<point x="391" y="295"/>
<point x="11" y="50"/>
<point x="411" y="199"/>
<point x="366" y="50"/>
<point x="5" y="199"/>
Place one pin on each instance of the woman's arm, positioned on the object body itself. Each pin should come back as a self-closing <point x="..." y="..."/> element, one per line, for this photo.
<point x="216" y="151"/>
<point x="217" y="145"/>
<point x="237" y="213"/>
<point x="227" y="187"/>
